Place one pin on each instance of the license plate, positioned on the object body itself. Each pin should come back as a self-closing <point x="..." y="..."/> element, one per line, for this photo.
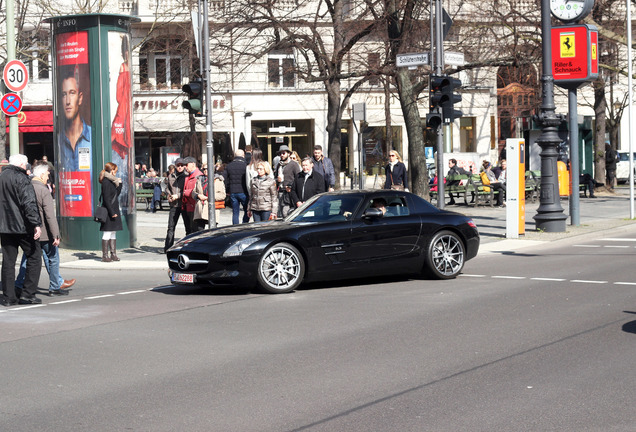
<point x="183" y="277"/>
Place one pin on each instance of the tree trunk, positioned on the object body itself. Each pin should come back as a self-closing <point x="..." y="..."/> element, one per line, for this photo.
<point x="417" y="158"/>
<point x="600" y="106"/>
<point x="333" y="126"/>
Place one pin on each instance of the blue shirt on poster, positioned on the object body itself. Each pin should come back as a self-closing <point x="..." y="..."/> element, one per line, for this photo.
<point x="79" y="159"/>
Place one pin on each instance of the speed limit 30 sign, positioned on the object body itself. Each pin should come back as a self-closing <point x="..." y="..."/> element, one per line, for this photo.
<point x="15" y="75"/>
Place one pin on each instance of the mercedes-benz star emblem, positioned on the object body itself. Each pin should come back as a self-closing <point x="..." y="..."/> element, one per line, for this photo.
<point x="184" y="262"/>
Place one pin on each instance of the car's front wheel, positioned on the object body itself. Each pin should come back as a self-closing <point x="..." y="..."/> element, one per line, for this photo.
<point x="445" y="255"/>
<point x="281" y="269"/>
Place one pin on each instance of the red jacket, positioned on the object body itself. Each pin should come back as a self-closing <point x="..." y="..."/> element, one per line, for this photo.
<point x="188" y="188"/>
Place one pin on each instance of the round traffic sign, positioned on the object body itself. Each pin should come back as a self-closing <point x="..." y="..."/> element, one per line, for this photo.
<point x="11" y="104"/>
<point x="15" y="75"/>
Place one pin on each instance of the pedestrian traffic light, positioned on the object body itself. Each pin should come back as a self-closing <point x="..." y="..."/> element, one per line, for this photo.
<point x="434" y="116"/>
<point x="194" y="104"/>
<point x="450" y="98"/>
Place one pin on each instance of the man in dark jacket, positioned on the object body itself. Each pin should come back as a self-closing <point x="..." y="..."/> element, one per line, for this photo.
<point x="324" y="167"/>
<point x="234" y="175"/>
<point x="19" y="228"/>
<point x="285" y="172"/>
<point x="307" y="184"/>
<point x="174" y="190"/>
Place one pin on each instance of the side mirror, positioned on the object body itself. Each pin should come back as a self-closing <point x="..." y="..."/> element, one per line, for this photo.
<point x="372" y="213"/>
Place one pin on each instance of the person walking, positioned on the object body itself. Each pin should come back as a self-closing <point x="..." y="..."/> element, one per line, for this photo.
<point x="324" y="167"/>
<point x="263" y="203"/>
<point x="395" y="171"/>
<point x="234" y="175"/>
<point x="111" y="188"/>
<point x="50" y="237"/>
<point x="307" y="184"/>
<point x="19" y="228"/>
<point x="174" y="190"/>
<point x="251" y="171"/>
<point x="610" y="165"/>
<point x="286" y="171"/>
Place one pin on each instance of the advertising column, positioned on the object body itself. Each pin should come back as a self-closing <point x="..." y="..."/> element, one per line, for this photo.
<point x="92" y="101"/>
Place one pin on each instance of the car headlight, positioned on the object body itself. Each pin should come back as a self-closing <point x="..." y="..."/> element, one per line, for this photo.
<point x="237" y="248"/>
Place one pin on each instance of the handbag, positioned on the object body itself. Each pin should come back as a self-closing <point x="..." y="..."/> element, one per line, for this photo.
<point x="100" y="214"/>
<point x="200" y="208"/>
<point x="394" y="186"/>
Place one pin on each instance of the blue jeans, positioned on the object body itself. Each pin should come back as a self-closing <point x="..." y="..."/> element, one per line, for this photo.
<point x="51" y="257"/>
<point x="261" y="215"/>
<point x="235" y="199"/>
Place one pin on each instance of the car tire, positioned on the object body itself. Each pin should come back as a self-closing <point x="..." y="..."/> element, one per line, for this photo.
<point x="445" y="255"/>
<point x="280" y="269"/>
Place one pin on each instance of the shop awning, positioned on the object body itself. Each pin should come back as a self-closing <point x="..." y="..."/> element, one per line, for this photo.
<point x="34" y="121"/>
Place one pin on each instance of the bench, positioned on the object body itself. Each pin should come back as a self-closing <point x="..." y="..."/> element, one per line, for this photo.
<point x="478" y="193"/>
<point x="454" y="186"/>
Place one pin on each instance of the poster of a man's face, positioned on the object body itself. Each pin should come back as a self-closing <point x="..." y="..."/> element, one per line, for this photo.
<point x="74" y="135"/>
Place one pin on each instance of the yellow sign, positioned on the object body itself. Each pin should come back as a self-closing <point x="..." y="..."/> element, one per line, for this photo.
<point x="567" y="45"/>
<point x="593" y="51"/>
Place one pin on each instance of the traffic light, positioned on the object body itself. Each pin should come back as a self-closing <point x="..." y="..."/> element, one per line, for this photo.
<point x="194" y="104"/>
<point x="434" y="116"/>
<point x="450" y="98"/>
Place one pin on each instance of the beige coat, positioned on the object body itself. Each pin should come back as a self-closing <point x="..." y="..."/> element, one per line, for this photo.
<point x="263" y="195"/>
<point x="46" y="205"/>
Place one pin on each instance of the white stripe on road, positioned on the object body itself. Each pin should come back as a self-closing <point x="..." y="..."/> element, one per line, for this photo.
<point x="618" y="247"/>
<point x="99" y="296"/>
<point x="509" y="277"/>
<point x="548" y="279"/>
<point x="624" y="283"/>
<point x="472" y="275"/>
<point x="588" y="281"/>
<point x="621" y="239"/>
<point x="66" y="301"/>
<point x="131" y="292"/>
<point x="587" y="246"/>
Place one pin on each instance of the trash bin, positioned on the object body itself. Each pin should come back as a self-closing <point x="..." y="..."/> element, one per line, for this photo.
<point x="564" y="179"/>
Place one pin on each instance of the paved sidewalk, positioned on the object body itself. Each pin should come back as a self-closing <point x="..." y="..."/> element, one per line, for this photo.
<point x="608" y="212"/>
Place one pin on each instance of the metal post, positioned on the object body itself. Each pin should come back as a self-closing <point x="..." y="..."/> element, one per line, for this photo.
<point x="574" y="158"/>
<point x="549" y="217"/>
<point x="360" y="170"/>
<point x="209" y="138"/>
<point x="14" y="141"/>
<point x="629" y="108"/>
<point x="439" y="66"/>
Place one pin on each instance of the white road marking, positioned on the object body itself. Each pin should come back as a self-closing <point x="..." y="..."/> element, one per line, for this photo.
<point x="587" y="246"/>
<point x="588" y="281"/>
<point x="131" y="292"/>
<point x="509" y="277"/>
<point x="548" y="279"/>
<point x="28" y="307"/>
<point x="624" y="283"/>
<point x="617" y="247"/>
<point x="472" y="275"/>
<point x="621" y="239"/>
<point x="66" y="301"/>
<point x="99" y="296"/>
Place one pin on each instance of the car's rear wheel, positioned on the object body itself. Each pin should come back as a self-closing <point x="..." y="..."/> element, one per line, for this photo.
<point x="281" y="269"/>
<point x="445" y="255"/>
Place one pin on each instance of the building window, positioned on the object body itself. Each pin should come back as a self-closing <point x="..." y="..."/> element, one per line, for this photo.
<point x="281" y="70"/>
<point x="160" y="64"/>
<point x="374" y="66"/>
<point x="467" y="134"/>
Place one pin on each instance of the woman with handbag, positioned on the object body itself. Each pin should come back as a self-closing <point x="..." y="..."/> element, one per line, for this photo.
<point x="263" y="203"/>
<point x="396" y="177"/>
<point x="200" y="195"/>
<point x="111" y="188"/>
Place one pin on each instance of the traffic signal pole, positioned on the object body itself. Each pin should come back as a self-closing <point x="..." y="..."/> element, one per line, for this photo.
<point x="438" y="66"/>
<point x="209" y="138"/>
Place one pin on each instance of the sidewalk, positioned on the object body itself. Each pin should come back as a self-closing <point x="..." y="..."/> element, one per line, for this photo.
<point x="607" y="212"/>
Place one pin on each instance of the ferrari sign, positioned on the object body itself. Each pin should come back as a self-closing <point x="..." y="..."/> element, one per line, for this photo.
<point x="574" y="55"/>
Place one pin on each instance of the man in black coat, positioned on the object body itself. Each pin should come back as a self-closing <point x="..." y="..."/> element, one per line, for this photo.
<point x="307" y="183"/>
<point x="19" y="228"/>
<point x="236" y="186"/>
<point x="174" y="190"/>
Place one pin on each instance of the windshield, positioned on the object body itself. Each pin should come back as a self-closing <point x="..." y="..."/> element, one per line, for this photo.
<point x="323" y="208"/>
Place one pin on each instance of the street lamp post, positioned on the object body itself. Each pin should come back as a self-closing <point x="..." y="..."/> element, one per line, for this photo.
<point x="550" y="216"/>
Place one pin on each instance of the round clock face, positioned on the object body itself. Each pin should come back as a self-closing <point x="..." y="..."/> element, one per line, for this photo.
<point x="570" y="10"/>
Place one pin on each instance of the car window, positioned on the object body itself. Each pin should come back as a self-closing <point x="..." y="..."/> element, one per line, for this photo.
<point x="328" y="208"/>
<point x="394" y="205"/>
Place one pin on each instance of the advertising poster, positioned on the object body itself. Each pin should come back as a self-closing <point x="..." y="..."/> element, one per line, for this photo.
<point x="73" y="109"/>
<point x="121" y="130"/>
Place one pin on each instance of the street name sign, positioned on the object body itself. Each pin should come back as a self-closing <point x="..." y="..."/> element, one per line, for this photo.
<point x="411" y="60"/>
<point x="11" y="104"/>
<point x="454" y="58"/>
<point x="15" y="75"/>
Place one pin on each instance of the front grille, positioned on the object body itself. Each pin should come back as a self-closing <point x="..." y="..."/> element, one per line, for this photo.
<point x="191" y="262"/>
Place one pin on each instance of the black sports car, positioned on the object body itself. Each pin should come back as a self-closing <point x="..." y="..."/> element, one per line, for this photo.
<point x="335" y="235"/>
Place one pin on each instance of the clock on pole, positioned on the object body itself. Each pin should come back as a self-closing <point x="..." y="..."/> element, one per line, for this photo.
<point x="571" y="10"/>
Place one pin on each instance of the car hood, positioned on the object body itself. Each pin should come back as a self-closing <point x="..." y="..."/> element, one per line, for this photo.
<point x="228" y="235"/>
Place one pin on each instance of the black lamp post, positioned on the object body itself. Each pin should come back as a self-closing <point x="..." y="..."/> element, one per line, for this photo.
<point x="550" y="216"/>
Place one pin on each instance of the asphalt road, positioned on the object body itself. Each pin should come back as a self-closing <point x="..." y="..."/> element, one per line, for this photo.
<point x="538" y="339"/>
